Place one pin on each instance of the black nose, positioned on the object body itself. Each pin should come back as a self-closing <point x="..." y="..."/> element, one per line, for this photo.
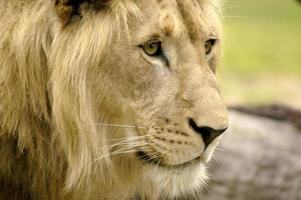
<point x="208" y="134"/>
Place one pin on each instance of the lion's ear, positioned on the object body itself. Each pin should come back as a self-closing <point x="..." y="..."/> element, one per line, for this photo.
<point x="66" y="9"/>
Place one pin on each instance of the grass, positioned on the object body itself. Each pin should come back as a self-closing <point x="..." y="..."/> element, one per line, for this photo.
<point x="262" y="45"/>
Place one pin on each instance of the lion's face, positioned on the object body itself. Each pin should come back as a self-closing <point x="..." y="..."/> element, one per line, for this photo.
<point x="164" y="75"/>
<point x="154" y="84"/>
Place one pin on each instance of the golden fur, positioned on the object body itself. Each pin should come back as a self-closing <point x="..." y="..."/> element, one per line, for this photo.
<point x="79" y="98"/>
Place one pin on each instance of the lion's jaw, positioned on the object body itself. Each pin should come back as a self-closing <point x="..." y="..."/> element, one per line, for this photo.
<point x="173" y="183"/>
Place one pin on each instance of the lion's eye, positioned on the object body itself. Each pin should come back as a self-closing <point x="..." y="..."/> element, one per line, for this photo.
<point x="152" y="48"/>
<point x="209" y="45"/>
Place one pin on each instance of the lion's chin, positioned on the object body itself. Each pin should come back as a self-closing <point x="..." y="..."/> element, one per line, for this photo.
<point x="175" y="182"/>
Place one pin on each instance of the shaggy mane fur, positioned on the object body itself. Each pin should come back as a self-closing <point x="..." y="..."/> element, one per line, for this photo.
<point x="42" y="124"/>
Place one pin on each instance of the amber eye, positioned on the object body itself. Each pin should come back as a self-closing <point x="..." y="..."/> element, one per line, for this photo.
<point x="209" y="45"/>
<point x="152" y="47"/>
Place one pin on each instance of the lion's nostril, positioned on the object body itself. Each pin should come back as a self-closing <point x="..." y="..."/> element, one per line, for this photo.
<point x="208" y="134"/>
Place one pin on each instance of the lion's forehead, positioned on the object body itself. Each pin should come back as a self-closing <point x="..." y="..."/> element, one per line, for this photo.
<point x="191" y="16"/>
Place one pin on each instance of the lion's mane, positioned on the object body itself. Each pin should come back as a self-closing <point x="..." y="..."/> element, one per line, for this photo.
<point x="47" y="137"/>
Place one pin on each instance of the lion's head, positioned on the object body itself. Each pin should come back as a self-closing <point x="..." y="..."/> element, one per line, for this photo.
<point x="135" y="104"/>
<point x="139" y="76"/>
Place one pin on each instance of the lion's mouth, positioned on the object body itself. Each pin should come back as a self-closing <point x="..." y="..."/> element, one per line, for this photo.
<point x="157" y="162"/>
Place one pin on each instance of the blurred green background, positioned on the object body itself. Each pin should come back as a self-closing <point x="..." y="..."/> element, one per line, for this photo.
<point x="262" y="52"/>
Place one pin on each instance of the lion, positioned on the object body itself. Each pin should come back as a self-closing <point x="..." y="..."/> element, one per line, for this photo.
<point x="108" y="99"/>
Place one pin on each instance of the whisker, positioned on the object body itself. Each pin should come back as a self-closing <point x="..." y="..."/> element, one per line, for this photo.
<point x="124" y="149"/>
<point x="123" y="145"/>
<point x="126" y="143"/>
<point x="131" y="146"/>
<point x="115" y="153"/>
<point x="196" y="154"/>
<point x="157" y="164"/>
<point x="132" y="138"/>
<point x="116" y="125"/>
<point x="219" y="149"/>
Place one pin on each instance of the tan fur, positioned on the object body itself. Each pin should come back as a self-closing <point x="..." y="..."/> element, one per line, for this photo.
<point x="79" y="98"/>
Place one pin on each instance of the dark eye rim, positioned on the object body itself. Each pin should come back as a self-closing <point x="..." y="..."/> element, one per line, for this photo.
<point x="212" y="42"/>
<point x="159" y="51"/>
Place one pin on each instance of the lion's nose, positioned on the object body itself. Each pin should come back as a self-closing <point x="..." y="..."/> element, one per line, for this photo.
<point x="208" y="134"/>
